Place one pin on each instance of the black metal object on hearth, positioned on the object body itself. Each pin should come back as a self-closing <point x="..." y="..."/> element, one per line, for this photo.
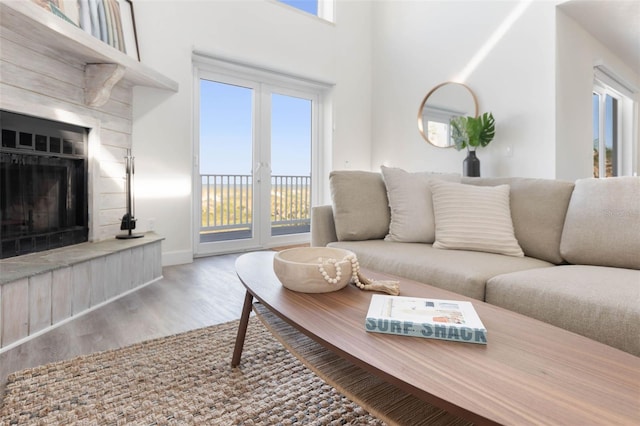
<point x="128" y="220"/>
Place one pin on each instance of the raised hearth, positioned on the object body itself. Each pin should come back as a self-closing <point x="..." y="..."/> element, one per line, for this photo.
<point x="41" y="290"/>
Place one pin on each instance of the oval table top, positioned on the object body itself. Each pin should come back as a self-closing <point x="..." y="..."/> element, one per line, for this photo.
<point x="528" y="372"/>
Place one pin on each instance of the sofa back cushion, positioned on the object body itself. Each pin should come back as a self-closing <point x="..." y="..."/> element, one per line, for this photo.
<point x="360" y="205"/>
<point x="410" y="201"/>
<point x="603" y="223"/>
<point x="538" y="210"/>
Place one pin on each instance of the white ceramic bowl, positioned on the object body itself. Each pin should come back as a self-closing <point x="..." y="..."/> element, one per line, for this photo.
<point x="297" y="268"/>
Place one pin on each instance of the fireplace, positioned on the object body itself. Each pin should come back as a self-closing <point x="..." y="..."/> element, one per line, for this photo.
<point x="43" y="185"/>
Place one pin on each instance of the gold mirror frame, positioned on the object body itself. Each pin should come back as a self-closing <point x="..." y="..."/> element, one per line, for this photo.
<point x="421" y="124"/>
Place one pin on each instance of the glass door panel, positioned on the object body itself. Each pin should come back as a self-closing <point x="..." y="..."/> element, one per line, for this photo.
<point x="225" y="162"/>
<point x="291" y="141"/>
<point x="596" y="134"/>
<point x="605" y="135"/>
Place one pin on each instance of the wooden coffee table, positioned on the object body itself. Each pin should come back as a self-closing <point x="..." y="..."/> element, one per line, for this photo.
<point x="528" y="373"/>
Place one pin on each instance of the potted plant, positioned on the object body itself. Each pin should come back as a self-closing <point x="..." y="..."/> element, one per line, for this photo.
<point x="471" y="133"/>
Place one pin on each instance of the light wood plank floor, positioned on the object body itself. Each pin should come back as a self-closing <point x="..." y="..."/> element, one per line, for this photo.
<point x="191" y="296"/>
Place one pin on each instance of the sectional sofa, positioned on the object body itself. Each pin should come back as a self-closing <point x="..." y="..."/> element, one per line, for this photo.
<point x="567" y="253"/>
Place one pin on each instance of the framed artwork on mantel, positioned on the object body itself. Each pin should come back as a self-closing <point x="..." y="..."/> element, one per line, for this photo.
<point x="111" y="21"/>
<point x="65" y="9"/>
<point x="129" y="28"/>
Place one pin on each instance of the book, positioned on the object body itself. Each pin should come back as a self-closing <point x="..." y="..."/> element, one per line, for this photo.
<point x="428" y="318"/>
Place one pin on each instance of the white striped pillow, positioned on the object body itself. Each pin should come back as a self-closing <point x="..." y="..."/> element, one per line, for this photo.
<point x="477" y="218"/>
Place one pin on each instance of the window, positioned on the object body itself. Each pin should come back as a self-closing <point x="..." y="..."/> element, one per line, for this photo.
<point x="320" y="8"/>
<point x="309" y="6"/>
<point x="605" y="134"/>
<point x="613" y="125"/>
<point x="438" y="121"/>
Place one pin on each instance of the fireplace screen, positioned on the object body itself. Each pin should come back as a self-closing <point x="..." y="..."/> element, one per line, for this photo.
<point x="43" y="185"/>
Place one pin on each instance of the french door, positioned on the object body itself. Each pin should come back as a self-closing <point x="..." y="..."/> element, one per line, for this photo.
<point x="254" y="159"/>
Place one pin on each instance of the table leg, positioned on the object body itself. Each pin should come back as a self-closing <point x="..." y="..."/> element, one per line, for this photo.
<point x="242" y="329"/>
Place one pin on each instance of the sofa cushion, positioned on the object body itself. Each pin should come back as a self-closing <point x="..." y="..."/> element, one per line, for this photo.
<point x="538" y="210"/>
<point x="360" y="205"/>
<point x="603" y="223"/>
<point x="323" y="228"/>
<point x="475" y="218"/>
<point x="460" y="271"/>
<point x="410" y="203"/>
<point x="601" y="303"/>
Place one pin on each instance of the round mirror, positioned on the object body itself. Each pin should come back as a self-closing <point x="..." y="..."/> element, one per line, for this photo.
<point x="444" y="102"/>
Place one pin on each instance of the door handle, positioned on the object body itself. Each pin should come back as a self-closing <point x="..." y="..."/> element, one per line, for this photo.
<point x="258" y="168"/>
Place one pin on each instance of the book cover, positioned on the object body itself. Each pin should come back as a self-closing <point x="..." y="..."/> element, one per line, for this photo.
<point x="60" y="13"/>
<point x="428" y="318"/>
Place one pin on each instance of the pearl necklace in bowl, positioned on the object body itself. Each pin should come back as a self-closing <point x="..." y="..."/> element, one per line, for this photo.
<point x="363" y="283"/>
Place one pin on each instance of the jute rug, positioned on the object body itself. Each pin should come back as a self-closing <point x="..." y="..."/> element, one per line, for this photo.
<point x="182" y="379"/>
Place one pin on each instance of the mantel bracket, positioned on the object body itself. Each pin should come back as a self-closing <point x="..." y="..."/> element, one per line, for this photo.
<point x="99" y="80"/>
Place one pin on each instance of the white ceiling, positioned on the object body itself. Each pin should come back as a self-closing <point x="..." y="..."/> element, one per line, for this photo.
<point x="615" y="23"/>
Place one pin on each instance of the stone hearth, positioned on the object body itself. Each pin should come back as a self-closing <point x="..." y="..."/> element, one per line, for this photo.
<point x="42" y="290"/>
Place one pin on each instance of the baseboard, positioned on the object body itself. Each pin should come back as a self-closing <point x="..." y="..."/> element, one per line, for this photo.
<point x="177" y="257"/>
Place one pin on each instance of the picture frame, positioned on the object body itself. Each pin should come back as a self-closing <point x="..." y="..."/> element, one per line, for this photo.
<point x="65" y="9"/>
<point x="129" y="29"/>
<point x="112" y="21"/>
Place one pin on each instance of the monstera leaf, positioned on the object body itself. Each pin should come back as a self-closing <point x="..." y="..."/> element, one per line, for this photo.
<point x="472" y="132"/>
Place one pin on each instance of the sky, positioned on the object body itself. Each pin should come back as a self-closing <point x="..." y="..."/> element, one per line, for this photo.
<point x="310" y="6"/>
<point x="226" y="131"/>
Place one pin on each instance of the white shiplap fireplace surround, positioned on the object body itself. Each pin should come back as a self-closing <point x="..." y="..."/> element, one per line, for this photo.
<point x="54" y="70"/>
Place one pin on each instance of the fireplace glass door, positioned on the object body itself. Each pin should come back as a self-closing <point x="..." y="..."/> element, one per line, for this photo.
<point x="43" y="185"/>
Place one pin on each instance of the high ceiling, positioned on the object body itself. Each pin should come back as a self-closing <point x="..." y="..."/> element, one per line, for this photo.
<point x="615" y="23"/>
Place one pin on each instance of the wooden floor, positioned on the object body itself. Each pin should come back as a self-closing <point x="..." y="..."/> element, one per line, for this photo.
<point x="191" y="296"/>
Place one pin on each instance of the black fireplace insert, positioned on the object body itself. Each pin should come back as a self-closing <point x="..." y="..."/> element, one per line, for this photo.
<point x="43" y="185"/>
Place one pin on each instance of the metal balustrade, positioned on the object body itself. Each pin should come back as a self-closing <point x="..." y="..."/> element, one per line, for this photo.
<point x="227" y="203"/>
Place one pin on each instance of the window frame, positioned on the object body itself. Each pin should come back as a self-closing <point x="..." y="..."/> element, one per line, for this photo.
<point x="326" y="9"/>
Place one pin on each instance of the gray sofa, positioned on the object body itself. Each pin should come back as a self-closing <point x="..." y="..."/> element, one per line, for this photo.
<point x="579" y="264"/>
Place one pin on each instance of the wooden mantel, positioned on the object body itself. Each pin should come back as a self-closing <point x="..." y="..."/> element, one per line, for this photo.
<point x="80" y="48"/>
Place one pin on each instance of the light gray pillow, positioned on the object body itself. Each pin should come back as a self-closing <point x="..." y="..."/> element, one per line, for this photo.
<point x="602" y="226"/>
<point x="411" y="205"/>
<point x="360" y="205"/>
<point x="476" y="218"/>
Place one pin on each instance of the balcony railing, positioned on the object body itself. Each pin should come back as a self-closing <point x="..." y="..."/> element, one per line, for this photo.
<point x="227" y="203"/>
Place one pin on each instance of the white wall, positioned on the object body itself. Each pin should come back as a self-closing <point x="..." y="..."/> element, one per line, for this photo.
<point x="262" y="32"/>
<point x="384" y="56"/>
<point x="418" y="44"/>
<point x="577" y="53"/>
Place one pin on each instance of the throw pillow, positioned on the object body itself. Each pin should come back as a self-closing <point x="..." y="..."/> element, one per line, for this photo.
<point x="360" y="206"/>
<point x="411" y="205"/>
<point x="476" y="218"/>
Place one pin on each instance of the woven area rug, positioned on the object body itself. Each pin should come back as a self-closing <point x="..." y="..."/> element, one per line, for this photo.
<point x="182" y="379"/>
